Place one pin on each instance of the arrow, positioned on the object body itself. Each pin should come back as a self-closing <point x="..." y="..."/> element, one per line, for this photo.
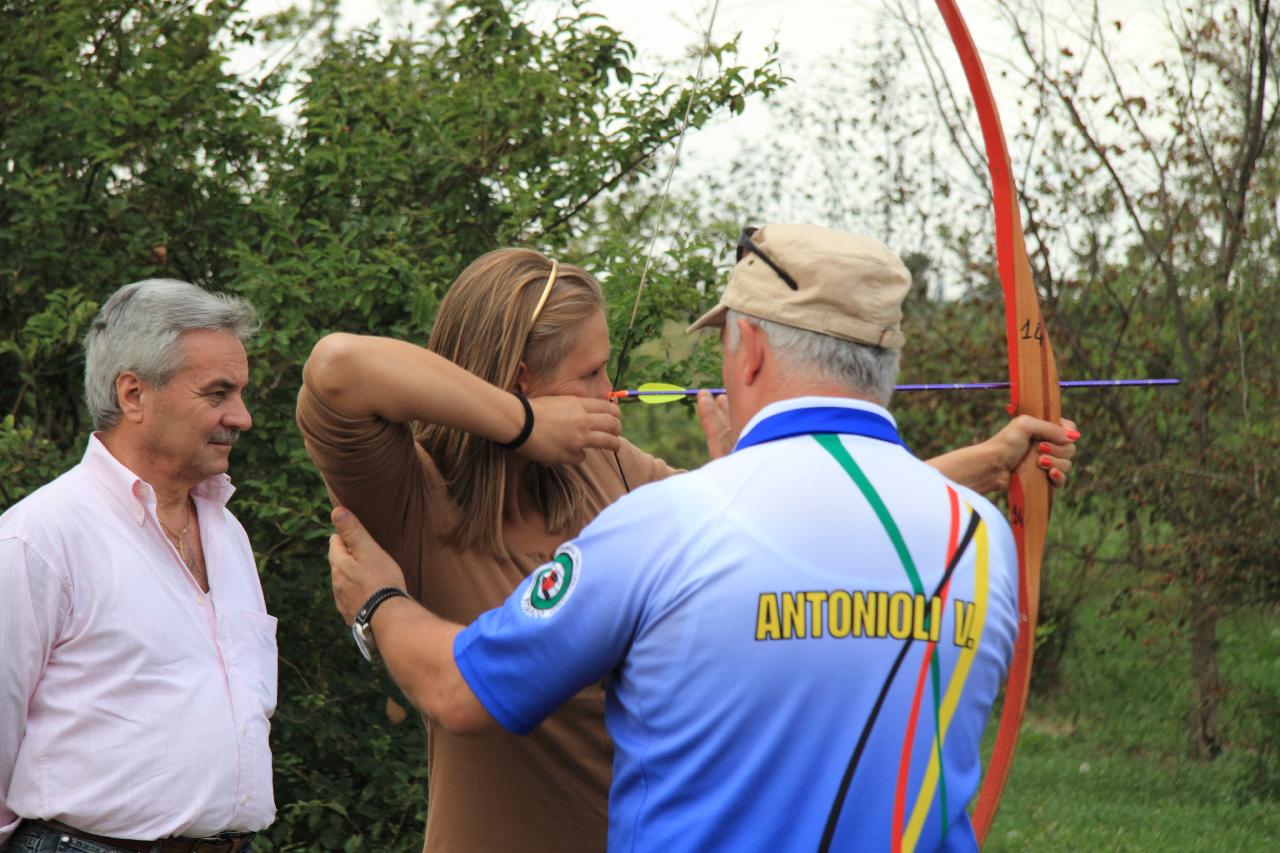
<point x="661" y="392"/>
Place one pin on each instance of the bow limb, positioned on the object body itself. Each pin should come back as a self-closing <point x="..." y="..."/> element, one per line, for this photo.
<point x="1033" y="378"/>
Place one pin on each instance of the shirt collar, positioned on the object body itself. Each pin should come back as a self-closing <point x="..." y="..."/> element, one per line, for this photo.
<point x="132" y="489"/>
<point x="795" y="403"/>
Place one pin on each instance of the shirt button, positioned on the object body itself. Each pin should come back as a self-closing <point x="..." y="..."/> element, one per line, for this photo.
<point x="138" y="514"/>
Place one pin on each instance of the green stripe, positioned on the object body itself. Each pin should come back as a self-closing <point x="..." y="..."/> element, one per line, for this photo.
<point x="937" y="739"/>
<point x="833" y="445"/>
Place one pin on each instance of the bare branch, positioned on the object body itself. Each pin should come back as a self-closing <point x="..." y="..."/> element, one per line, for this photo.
<point x="1158" y="249"/>
<point x="944" y="97"/>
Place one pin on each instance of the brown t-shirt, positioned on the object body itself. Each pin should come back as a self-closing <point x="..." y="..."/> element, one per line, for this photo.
<point x="496" y="792"/>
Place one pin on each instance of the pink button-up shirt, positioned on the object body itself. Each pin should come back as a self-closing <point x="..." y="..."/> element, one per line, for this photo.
<point x="132" y="704"/>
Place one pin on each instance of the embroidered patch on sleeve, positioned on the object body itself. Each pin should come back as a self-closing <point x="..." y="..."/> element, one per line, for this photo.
<point x="552" y="583"/>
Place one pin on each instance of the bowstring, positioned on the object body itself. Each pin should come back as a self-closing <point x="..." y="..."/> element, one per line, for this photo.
<point x="625" y="351"/>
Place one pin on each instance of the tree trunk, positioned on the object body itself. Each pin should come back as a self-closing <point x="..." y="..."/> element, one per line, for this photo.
<point x="1204" y="740"/>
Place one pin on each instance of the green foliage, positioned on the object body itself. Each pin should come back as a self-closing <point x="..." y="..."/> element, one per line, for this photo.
<point x="128" y="151"/>
<point x="28" y="459"/>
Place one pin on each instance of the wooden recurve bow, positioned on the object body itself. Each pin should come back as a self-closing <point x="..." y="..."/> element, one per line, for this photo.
<point x="1033" y="390"/>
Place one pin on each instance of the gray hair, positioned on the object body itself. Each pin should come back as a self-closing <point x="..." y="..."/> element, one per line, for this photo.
<point x="139" y="330"/>
<point x="865" y="370"/>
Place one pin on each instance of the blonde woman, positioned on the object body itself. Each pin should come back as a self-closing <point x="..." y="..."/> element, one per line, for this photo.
<point x="470" y="461"/>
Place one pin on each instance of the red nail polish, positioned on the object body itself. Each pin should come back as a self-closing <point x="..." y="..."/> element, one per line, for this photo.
<point x="1046" y="462"/>
<point x="1073" y="434"/>
<point x="1044" y="447"/>
<point x="1057" y="476"/>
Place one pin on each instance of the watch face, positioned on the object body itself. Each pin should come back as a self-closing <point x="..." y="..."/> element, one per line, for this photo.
<point x="364" y="639"/>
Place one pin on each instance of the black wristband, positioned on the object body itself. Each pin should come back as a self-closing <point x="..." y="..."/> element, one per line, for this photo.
<point x="365" y="614"/>
<point x="528" y="425"/>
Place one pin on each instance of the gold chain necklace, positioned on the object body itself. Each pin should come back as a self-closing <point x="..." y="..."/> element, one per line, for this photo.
<point x="180" y="539"/>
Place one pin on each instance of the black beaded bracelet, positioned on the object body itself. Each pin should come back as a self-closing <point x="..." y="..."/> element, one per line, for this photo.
<point x="528" y="424"/>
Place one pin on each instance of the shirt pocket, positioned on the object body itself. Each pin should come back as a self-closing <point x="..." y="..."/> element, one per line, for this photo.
<point x="257" y="657"/>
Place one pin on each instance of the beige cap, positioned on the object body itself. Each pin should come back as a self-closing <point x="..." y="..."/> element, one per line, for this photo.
<point x="848" y="286"/>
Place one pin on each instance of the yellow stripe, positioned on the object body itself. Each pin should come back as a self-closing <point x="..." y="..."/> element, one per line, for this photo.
<point x="924" y="800"/>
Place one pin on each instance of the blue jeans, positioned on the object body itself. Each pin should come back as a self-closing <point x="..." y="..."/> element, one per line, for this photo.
<point x="33" y="838"/>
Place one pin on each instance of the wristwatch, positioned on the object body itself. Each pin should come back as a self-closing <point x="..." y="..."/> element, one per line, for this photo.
<point x="362" y="630"/>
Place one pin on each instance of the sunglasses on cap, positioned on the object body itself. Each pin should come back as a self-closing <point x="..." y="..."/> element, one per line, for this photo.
<point x="746" y="244"/>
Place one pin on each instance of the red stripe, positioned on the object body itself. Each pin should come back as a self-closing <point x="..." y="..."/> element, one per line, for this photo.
<point x="904" y="763"/>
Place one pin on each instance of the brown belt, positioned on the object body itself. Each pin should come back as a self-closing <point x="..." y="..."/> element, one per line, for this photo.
<point x="228" y="842"/>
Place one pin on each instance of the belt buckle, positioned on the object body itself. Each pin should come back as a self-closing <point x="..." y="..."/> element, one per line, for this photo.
<point x="223" y="841"/>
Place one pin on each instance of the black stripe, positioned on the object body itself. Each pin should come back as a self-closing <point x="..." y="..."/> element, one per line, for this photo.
<point x="838" y="806"/>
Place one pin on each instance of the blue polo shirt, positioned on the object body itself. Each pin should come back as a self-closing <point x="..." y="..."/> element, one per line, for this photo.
<point x="801" y="640"/>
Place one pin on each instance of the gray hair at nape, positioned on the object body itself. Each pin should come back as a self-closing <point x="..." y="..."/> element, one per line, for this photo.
<point x="865" y="370"/>
<point x="139" y="329"/>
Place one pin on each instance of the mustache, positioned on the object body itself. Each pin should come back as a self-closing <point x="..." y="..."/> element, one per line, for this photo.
<point x="224" y="436"/>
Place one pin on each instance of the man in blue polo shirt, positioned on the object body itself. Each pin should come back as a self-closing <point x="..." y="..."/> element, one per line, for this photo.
<point x="801" y="640"/>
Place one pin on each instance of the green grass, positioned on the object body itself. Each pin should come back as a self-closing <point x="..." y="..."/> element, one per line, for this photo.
<point x="1066" y="794"/>
<point x="1101" y="764"/>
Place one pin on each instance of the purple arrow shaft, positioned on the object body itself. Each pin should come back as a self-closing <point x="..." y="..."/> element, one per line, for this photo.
<point x="1072" y="383"/>
<point x="945" y="386"/>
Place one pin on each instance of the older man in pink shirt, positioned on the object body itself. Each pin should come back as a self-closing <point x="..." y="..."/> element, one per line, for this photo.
<point x="137" y="659"/>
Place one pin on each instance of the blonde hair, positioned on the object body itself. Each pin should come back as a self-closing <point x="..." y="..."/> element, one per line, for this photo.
<point x="487" y="325"/>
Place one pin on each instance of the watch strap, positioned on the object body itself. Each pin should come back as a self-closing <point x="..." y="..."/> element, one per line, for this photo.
<point x="365" y="614"/>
